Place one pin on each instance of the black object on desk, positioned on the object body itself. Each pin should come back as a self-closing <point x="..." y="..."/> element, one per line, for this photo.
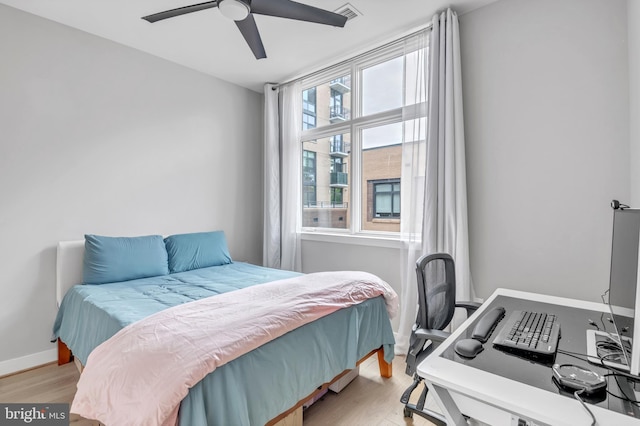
<point x="469" y="348"/>
<point x="487" y="324"/>
<point x="578" y="378"/>
<point x="530" y="332"/>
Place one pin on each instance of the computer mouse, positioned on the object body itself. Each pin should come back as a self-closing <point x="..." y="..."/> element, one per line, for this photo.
<point x="468" y="348"/>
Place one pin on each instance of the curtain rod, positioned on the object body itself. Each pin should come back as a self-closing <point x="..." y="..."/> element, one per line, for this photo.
<point x="412" y="33"/>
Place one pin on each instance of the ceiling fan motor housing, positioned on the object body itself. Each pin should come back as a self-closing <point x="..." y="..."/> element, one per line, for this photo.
<point x="237" y="10"/>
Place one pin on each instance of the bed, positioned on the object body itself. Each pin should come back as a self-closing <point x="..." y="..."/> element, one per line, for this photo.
<point x="264" y="386"/>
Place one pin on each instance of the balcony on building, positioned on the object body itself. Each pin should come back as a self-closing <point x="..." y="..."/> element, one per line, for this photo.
<point x="339" y="149"/>
<point x="338" y="180"/>
<point x="342" y="84"/>
<point x="325" y="214"/>
<point x="339" y="114"/>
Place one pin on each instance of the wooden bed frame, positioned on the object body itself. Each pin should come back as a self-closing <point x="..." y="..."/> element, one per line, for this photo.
<point x="69" y="262"/>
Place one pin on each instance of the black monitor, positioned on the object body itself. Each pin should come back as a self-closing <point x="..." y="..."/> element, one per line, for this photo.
<point x="623" y="285"/>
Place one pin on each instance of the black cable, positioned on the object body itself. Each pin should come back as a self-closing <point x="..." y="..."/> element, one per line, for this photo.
<point x="576" y="395"/>
<point x="580" y="356"/>
<point x="609" y="346"/>
<point x="626" y="397"/>
<point x="610" y="366"/>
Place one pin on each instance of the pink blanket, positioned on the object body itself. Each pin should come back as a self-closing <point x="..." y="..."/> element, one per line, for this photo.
<point x="141" y="374"/>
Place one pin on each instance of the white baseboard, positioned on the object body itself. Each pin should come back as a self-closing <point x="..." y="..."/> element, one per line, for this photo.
<point x="28" y="361"/>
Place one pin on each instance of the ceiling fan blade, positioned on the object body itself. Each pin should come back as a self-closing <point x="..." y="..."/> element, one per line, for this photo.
<point x="180" y="11"/>
<point x="298" y="11"/>
<point x="249" y="31"/>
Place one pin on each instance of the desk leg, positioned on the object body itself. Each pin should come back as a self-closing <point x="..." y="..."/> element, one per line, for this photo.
<point x="447" y="404"/>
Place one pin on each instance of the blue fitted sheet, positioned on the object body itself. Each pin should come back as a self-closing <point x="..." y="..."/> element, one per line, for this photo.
<point x="255" y="387"/>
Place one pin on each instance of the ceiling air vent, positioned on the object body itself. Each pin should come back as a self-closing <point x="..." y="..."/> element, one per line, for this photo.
<point x="349" y="11"/>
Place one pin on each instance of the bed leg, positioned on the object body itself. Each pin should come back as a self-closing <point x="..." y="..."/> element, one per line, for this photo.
<point x="64" y="353"/>
<point x="386" y="369"/>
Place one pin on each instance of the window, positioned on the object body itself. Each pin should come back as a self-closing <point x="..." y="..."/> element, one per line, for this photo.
<point x="361" y="111"/>
<point x="336" y="110"/>
<point x="309" y="109"/>
<point x="338" y="145"/>
<point x="309" y="178"/>
<point x="386" y="199"/>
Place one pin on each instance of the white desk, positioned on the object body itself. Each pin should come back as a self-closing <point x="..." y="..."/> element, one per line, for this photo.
<point x="497" y="400"/>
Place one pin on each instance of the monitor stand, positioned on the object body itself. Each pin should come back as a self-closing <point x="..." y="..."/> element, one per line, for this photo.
<point x="604" y="349"/>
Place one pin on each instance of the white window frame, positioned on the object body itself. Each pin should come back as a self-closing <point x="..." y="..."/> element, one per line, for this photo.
<point x="354" y="126"/>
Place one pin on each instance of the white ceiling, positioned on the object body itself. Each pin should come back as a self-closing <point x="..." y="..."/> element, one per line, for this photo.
<point x="208" y="42"/>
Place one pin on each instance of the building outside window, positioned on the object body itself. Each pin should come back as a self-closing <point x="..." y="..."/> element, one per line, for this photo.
<point x="309" y="109"/>
<point x="336" y="197"/>
<point x="337" y="112"/>
<point x="309" y="178"/>
<point x="330" y="209"/>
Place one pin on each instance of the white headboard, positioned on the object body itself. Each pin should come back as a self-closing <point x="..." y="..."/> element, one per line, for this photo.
<point x="70" y="257"/>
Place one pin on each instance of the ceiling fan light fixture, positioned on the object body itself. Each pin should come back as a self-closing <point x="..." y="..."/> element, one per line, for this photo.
<point x="234" y="9"/>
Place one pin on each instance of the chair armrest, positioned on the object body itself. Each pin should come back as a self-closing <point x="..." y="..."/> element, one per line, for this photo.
<point x="470" y="307"/>
<point x="438" y="336"/>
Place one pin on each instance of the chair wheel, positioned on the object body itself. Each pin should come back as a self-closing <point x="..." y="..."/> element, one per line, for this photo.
<point x="408" y="413"/>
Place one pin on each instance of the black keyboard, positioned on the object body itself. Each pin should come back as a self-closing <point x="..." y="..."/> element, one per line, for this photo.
<point x="530" y="332"/>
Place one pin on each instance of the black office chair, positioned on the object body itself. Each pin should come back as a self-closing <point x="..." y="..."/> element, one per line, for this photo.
<point x="436" y="306"/>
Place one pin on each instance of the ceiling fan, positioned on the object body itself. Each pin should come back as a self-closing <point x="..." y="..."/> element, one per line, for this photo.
<point x="242" y="11"/>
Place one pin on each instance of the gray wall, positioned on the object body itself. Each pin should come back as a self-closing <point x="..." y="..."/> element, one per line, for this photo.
<point x="633" y="12"/>
<point x="100" y="138"/>
<point x="547" y="141"/>
<point x="547" y="137"/>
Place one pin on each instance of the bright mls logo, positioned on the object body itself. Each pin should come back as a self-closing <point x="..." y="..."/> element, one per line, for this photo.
<point x="34" y="414"/>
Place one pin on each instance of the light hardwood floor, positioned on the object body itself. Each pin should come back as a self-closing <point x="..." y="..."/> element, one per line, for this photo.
<point x="369" y="400"/>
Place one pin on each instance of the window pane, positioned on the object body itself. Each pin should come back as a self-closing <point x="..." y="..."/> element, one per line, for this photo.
<point x="309" y="108"/>
<point x="381" y="170"/>
<point x="383" y="204"/>
<point x="309" y="177"/>
<point x="415" y="77"/>
<point x="394" y="83"/>
<point x="326" y="184"/>
<point x="382" y="86"/>
<point x="327" y="103"/>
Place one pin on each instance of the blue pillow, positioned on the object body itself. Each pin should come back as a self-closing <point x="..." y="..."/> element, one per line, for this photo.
<point x="115" y="259"/>
<point x="197" y="250"/>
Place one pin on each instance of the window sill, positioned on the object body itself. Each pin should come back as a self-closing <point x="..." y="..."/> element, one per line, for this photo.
<point x="370" y="240"/>
<point x="381" y="220"/>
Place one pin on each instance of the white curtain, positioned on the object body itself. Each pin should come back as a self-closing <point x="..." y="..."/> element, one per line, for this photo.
<point x="435" y="219"/>
<point x="271" y="240"/>
<point x="282" y="156"/>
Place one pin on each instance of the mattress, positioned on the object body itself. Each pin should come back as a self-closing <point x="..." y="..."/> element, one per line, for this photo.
<point x="255" y="387"/>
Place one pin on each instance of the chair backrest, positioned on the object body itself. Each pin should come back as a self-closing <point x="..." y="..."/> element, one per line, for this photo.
<point x="436" y="290"/>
